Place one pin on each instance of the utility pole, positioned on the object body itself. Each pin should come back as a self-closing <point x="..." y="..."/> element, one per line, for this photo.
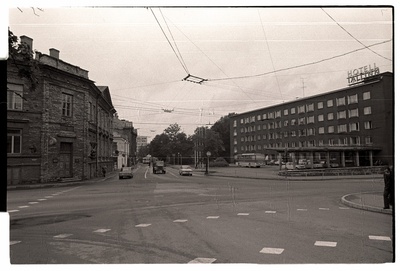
<point x="302" y="79"/>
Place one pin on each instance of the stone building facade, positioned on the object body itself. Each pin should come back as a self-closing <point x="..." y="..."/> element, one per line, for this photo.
<point x="62" y="129"/>
<point x="127" y="136"/>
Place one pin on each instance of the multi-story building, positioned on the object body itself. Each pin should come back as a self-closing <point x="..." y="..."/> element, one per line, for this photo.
<point x="124" y="129"/>
<point x="62" y="128"/>
<point x="352" y="126"/>
<point x="141" y="142"/>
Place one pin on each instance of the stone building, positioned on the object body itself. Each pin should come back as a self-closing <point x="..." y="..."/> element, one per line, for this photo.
<point x="125" y="135"/>
<point x="62" y="129"/>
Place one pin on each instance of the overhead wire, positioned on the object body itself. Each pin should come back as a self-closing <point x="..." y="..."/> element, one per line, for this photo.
<point x="354" y="36"/>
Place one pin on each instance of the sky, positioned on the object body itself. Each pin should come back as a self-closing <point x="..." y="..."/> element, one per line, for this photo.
<point x="250" y="57"/>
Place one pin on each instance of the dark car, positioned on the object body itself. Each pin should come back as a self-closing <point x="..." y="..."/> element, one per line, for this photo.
<point x="126" y="172"/>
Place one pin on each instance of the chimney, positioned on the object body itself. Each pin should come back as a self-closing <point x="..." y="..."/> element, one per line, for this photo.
<point x="54" y="53"/>
<point x="28" y="41"/>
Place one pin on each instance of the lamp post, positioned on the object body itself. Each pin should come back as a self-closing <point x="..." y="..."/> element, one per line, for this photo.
<point x="208" y="161"/>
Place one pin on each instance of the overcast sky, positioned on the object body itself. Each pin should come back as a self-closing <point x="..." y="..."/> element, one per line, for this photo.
<point x="126" y="49"/>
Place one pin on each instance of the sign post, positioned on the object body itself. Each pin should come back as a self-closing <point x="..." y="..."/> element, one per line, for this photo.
<point x="208" y="162"/>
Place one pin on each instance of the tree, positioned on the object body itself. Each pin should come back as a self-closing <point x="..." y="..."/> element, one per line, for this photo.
<point x="159" y="146"/>
<point x="222" y="127"/>
<point x="208" y="140"/>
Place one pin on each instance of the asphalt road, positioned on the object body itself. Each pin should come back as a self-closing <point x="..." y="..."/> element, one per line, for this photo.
<point x="167" y="218"/>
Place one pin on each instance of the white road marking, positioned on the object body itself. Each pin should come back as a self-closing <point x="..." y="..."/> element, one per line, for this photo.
<point x="180" y="220"/>
<point x="41" y="199"/>
<point x="324" y="209"/>
<point x="270" y="212"/>
<point x="64" y="235"/>
<point x="243" y="214"/>
<point x="142" y="225"/>
<point x="212" y="217"/>
<point x="145" y="174"/>
<point x="33" y="202"/>
<point x="381" y="238"/>
<point x="24" y="206"/>
<point x="301" y="209"/>
<point x="13" y="211"/>
<point x="325" y="244"/>
<point x="14" y="242"/>
<point x="203" y="260"/>
<point x="344" y="208"/>
<point x="271" y="250"/>
<point x="102" y="230"/>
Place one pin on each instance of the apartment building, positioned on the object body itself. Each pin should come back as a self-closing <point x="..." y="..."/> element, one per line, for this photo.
<point x="353" y="126"/>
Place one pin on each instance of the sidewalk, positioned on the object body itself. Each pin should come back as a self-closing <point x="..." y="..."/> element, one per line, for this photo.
<point x="369" y="201"/>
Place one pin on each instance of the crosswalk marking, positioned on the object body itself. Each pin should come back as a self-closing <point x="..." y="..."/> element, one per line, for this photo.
<point x="33" y="202"/>
<point x="301" y="209"/>
<point x="203" y="260"/>
<point x="270" y="212"/>
<point x="64" y="235"/>
<point x="13" y="211"/>
<point x="42" y="199"/>
<point x="324" y="209"/>
<point x="24" y="206"/>
<point x="142" y="225"/>
<point x="325" y="244"/>
<point x="381" y="238"/>
<point x="180" y="220"/>
<point x="243" y="214"/>
<point x="272" y="250"/>
<point x="14" y="242"/>
<point x="102" y="230"/>
<point x="48" y="197"/>
<point x="212" y="217"/>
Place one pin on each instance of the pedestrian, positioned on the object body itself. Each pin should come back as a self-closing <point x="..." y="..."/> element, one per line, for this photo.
<point x="103" y="170"/>
<point x="387" y="176"/>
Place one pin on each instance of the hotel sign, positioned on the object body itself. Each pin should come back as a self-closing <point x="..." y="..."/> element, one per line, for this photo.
<point x="358" y="75"/>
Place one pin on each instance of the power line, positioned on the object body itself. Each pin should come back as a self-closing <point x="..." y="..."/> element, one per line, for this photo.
<point x="354" y="37"/>
<point x="301" y="65"/>
<point x="180" y="61"/>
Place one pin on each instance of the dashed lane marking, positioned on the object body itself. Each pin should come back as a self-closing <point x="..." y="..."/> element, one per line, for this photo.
<point x="344" y="208"/>
<point x="212" y="217"/>
<point x="102" y="230"/>
<point x="325" y="244"/>
<point x="180" y="220"/>
<point x="48" y="197"/>
<point x="13" y="211"/>
<point x="243" y="214"/>
<point x="302" y="210"/>
<point x="324" y="209"/>
<point x="270" y="212"/>
<point x="24" y="206"/>
<point x="14" y="242"/>
<point x="142" y="225"/>
<point x="380" y="238"/>
<point x="203" y="260"/>
<point x="33" y="202"/>
<point x="42" y="199"/>
<point x="64" y="235"/>
<point x="271" y="250"/>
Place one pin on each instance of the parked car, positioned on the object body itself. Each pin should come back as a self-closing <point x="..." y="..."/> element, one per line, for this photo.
<point x="290" y="165"/>
<point x="277" y="163"/>
<point x="185" y="170"/>
<point x="271" y="162"/>
<point x="126" y="172"/>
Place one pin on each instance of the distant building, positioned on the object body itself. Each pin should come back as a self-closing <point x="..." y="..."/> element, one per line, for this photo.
<point x="353" y="126"/>
<point x="62" y="129"/>
<point x="141" y="142"/>
<point x="124" y="129"/>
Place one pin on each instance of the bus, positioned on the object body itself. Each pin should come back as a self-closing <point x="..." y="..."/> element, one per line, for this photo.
<point x="250" y="159"/>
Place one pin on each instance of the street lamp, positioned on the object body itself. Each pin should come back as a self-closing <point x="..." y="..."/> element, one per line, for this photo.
<point x="208" y="161"/>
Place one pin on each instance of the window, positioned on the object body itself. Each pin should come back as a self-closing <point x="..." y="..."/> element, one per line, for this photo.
<point x="293" y="133"/>
<point x="331" y="129"/>
<point x="264" y="126"/>
<point x="259" y="117"/>
<point x="366" y="95"/>
<point x="241" y="121"/>
<point x="329" y="103"/>
<point x="271" y="125"/>
<point x="293" y="122"/>
<point x="286" y="112"/>
<point x="285" y="134"/>
<point x="294" y="145"/>
<point x="355" y="140"/>
<point x="368" y="140"/>
<point x="302" y="132"/>
<point x="310" y="119"/>
<point x="330" y="116"/>
<point x="311" y="131"/>
<point x="301" y="109"/>
<point x="264" y="116"/>
<point x="352" y="99"/>
<point x="271" y="115"/>
<point x="342" y="128"/>
<point x="235" y="150"/>
<point x="234" y="122"/>
<point x="320" y="105"/>
<point x="342" y="141"/>
<point x="258" y="127"/>
<point x="331" y="142"/>
<point x="235" y="141"/>
<point x="321" y="142"/>
<point x="66" y="105"/>
<point x="311" y="143"/>
<point x="354" y="127"/>
<point x="14" y="96"/>
<point x="341" y="114"/>
<point x="310" y="107"/>
<point x="278" y="114"/>
<point x="353" y="113"/>
<point x="302" y="121"/>
<point x="367" y="110"/>
<point x="286" y="123"/>
<point x="320" y="117"/>
<point x="14" y="141"/>
<point x="368" y="125"/>
<point x="278" y="124"/>
<point x="321" y="130"/>
<point x="234" y="132"/>
<point x="340" y="101"/>
<point x="293" y="110"/>
<point x="264" y="136"/>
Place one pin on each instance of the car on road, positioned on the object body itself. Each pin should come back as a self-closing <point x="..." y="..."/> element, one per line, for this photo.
<point x="126" y="172"/>
<point x="290" y="165"/>
<point x="185" y="170"/>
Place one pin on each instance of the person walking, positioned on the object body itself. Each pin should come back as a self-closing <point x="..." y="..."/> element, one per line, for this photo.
<point x="103" y="170"/>
<point x="387" y="193"/>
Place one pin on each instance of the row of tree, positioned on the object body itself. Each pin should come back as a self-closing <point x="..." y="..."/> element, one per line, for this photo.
<point x="174" y="144"/>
